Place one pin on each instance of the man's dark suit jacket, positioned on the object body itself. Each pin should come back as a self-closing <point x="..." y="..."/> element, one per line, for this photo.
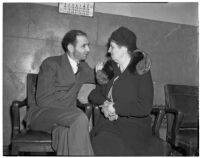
<point x="58" y="86"/>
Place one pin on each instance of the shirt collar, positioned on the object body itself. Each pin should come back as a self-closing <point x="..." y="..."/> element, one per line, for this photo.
<point x="73" y="64"/>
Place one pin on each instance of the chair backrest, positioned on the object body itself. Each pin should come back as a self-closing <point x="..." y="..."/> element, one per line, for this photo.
<point x="185" y="99"/>
<point x="31" y="89"/>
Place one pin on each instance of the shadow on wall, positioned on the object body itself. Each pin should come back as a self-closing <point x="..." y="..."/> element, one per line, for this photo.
<point x="49" y="49"/>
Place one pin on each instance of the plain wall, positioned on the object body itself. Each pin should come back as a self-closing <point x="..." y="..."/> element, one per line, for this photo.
<point x="174" y="12"/>
<point x="32" y="32"/>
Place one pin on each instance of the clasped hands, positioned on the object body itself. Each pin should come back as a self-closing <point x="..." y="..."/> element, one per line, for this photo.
<point x="109" y="111"/>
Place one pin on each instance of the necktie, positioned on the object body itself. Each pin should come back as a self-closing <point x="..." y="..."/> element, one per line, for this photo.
<point x="78" y="64"/>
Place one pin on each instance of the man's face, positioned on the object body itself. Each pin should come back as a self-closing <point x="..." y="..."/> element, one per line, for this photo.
<point x="81" y="48"/>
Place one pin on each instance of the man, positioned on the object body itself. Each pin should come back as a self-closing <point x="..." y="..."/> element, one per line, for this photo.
<point x="59" y="80"/>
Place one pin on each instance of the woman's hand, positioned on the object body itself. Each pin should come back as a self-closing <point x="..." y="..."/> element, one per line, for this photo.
<point x="109" y="110"/>
<point x="101" y="77"/>
<point x="113" y="117"/>
<point x="99" y="66"/>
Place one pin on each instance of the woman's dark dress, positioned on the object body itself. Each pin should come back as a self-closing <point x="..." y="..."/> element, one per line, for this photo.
<point x="131" y="133"/>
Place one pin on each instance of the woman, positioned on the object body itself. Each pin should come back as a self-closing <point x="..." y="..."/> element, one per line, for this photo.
<point x="126" y="102"/>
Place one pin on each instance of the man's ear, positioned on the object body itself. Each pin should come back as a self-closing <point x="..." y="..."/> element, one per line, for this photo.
<point x="70" y="47"/>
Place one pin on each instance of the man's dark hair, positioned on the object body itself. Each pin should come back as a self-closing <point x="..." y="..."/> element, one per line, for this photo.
<point x="124" y="37"/>
<point x="70" y="38"/>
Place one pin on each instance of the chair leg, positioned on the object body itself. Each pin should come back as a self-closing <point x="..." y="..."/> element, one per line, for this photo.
<point x="88" y="111"/>
<point x="14" y="150"/>
<point x="190" y="150"/>
<point x="197" y="152"/>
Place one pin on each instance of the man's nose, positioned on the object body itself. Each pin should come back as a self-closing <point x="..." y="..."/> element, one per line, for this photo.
<point x="87" y="48"/>
<point x="109" y="50"/>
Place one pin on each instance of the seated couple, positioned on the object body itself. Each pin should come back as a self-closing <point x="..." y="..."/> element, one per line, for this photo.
<point x="124" y="92"/>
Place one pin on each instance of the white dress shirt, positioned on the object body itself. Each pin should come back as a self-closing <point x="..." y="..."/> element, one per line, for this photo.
<point x="73" y="64"/>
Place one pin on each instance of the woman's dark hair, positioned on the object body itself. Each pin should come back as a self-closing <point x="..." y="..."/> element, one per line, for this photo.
<point x="124" y="37"/>
<point x="70" y="38"/>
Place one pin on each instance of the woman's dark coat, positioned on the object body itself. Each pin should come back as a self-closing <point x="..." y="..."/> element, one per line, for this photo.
<point x="131" y="133"/>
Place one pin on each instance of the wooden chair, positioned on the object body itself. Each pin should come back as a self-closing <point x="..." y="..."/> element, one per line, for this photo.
<point x="182" y="118"/>
<point x="26" y="140"/>
<point x="157" y="119"/>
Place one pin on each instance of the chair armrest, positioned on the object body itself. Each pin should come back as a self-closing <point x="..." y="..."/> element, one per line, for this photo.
<point x="87" y="108"/>
<point x="159" y="115"/>
<point x="20" y="103"/>
<point x="178" y="116"/>
<point x="15" y="115"/>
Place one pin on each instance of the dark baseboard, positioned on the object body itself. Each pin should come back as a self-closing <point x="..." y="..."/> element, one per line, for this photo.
<point x="7" y="152"/>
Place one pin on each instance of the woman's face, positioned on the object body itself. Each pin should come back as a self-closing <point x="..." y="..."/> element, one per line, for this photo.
<point x="116" y="51"/>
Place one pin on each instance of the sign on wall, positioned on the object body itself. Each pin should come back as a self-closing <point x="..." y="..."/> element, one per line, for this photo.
<point x="81" y="8"/>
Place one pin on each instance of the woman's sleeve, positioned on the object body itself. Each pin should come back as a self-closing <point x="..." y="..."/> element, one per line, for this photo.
<point x="97" y="96"/>
<point x="142" y="104"/>
<point x="145" y="93"/>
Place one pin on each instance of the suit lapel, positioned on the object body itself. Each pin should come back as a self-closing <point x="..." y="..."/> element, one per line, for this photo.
<point x="68" y="72"/>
